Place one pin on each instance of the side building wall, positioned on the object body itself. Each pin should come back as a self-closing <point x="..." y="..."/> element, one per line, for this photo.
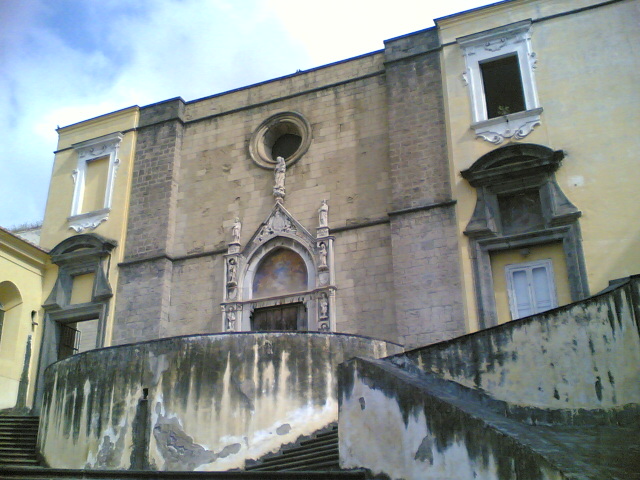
<point x="22" y="270"/>
<point x="578" y="100"/>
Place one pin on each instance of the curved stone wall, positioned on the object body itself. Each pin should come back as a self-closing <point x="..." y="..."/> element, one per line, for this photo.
<point x="206" y="402"/>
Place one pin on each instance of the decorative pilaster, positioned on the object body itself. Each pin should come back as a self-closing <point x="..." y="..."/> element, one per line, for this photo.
<point x="230" y="314"/>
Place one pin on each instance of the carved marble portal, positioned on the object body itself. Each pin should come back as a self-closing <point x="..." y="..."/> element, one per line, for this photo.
<point x="282" y="269"/>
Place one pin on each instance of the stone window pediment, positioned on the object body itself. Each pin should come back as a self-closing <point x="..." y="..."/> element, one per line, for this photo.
<point x="76" y="256"/>
<point x="509" y="179"/>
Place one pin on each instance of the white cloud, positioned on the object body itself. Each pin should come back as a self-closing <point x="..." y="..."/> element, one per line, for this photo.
<point x="65" y="61"/>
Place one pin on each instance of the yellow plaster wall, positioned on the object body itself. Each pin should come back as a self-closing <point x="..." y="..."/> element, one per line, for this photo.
<point x="551" y="251"/>
<point x="22" y="269"/>
<point x="56" y="227"/>
<point x="586" y="78"/>
<point x="82" y="289"/>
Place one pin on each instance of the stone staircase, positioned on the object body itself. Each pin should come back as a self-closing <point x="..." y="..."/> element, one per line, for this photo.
<point x="18" y="437"/>
<point x="319" y="453"/>
<point x="313" y="459"/>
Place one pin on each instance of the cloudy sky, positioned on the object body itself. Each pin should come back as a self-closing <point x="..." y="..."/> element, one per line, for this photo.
<point x="64" y="61"/>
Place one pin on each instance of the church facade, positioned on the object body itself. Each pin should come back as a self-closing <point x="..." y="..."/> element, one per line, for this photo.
<point x="412" y="195"/>
<point x="353" y="232"/>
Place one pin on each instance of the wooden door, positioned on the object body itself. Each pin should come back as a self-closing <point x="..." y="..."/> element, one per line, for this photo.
<point x="280" y="317"/>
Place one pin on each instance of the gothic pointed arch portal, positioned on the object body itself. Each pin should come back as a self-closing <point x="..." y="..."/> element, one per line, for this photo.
<point x="281" y="280"/>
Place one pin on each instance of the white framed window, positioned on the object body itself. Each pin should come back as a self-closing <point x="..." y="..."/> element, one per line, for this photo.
<point x="531" y="288"/>
<point x="500" y="78"/>
<point x="94" y="178"/>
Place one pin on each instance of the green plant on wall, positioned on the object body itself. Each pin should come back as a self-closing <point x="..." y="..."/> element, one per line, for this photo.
<point x="504" y="110"/>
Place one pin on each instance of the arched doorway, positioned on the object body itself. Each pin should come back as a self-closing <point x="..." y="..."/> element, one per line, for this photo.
<point x="10" y="307"/>
<point x="282" y="272"/>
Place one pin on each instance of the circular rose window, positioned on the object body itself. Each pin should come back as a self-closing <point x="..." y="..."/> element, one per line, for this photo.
<point x="286" y="135"/>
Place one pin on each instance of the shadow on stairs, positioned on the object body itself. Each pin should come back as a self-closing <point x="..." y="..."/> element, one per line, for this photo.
<point x="18" y="436"/>
<point x="314" y="459"/>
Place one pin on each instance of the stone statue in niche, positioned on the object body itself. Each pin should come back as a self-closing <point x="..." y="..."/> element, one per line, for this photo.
<point x="279" y="178"/>
<point x="322" y="251"/>
<point x="231" y="320"/>
<point x="232" y="272"/>
<point x="323" y="306"/>
<point x="323" y="215"/>
<point x="235" y="230"/>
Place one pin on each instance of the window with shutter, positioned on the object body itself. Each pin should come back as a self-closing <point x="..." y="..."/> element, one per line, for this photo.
<point x="531" y="288"/>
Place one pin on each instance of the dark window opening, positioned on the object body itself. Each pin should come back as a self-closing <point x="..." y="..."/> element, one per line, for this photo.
<point x="502" y="83"/>
<point x="282" y="317"/>
<point x="286" y="145"/>
<point x="521" y="212"/>
<point x="69" y="341"/>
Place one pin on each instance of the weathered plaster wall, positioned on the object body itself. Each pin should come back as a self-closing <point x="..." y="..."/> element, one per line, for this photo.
<point x="581" y="356"/>
<point x="193" y="403"/>
<point x="22" y="268"/>
<point x="397" y="429"/>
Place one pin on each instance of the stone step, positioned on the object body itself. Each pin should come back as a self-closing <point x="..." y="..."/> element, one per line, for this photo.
<point x="316" y="444"/>
<point x="29" y="440"/>
<point x="302" y="455"/>
<point x="17" y="461"/>
<point x="323" y="462"/>
<point x="314" y="454"/>
<point x="17" y="453"/>
<point x="18" y="436"/>
<point x="332" y="432"/>
<point x="18" y="428"/>
<point x="39" y="473"/>
<point x="329" y="466"/>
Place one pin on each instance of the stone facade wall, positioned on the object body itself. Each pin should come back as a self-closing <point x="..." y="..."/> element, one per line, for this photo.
<point x="417" y="133"/>
<point x="365" y="278"/>
<point x="427" y="276"/>
<point x="196" y="310"/>
<point x="377" y="148"/>
<point x="424" y="242"/>
<point x="346" y="164"/>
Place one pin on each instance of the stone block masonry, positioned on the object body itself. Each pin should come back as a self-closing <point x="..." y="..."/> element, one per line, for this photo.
<point x="144" y="290"/>
<point x="426" y="276"/>
<point x="377" y="154"/>
<point x="426" y="267"/>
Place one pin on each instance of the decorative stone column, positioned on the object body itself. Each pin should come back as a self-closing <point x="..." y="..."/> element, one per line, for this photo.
<point x="233" y="262"/>
<point x="326" y="281"/>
